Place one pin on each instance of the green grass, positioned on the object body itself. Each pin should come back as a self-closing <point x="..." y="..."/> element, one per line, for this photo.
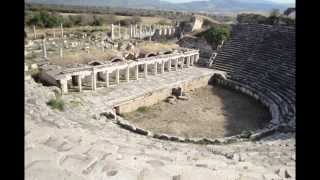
<point x="56" y="104"/>
<point x="142" y="109"/>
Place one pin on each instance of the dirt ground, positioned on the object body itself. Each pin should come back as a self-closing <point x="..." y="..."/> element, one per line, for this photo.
<point x="210" y="112"/>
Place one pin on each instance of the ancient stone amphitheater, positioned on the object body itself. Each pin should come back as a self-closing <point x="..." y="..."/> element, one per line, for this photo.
<point x="261" y="59"/>
<point x="84" y="141"/>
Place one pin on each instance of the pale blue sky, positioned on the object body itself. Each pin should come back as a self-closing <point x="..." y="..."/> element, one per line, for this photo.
<point x="278" y="1"/>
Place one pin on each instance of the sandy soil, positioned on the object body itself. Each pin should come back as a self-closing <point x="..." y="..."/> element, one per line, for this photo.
<point x="210" y="112"/>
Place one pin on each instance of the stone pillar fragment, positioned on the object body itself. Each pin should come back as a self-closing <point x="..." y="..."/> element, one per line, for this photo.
<point x="64" y="86"/>
<point x="169" y="65"/>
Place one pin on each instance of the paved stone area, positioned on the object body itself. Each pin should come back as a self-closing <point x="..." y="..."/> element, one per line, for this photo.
<point x="78" y="144"/>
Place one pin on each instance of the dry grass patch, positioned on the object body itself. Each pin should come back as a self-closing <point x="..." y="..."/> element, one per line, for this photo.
<point x="83" y="57"/>
<point x="156" y="47"/>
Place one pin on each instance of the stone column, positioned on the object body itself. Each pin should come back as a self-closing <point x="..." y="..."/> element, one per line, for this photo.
<point x="181" y="62"/>
<point x="197" y="58"/>
<point x="145" y="70"/>
<point x="188" y="61"/>
<point x="119" y="31"/>
<point x="135" y="30"/>
<point x="176" y="64"/>
<point x="79" y="82"/>
<point x="61" y="49"/>
<point x="107" y="78"/>
<point x="61" y="27"/>
<point x="54" y="34"/>
<point x="137" y="72"/>
<point x="112" y="32"/>
<point x="162" y="67"/>
<point x="155" y="68"/>
<point x="94" y="80"/>
<point x="128" y="74"/>
<point x="131" y="31"/>
<point x="34" y="32"/>
<point x="44" y="48"/>
<point x="169" y="65"/>
<point x="140" y="32"/>
<point x="64" y="86"/>
<point x="117" y="76"/>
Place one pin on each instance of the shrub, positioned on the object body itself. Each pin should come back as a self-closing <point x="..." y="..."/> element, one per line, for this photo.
<point x="56" y="104"/>
<point x="45" y="19"/>
<point x="76" y="20"/>
<point x="97" y="21"/>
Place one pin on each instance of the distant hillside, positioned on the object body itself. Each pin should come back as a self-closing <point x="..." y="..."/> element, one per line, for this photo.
<point x="204" y="6"/>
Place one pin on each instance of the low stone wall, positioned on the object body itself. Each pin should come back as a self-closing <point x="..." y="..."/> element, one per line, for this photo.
<point x="274" y="125"/>
<point x="157" y="96"/>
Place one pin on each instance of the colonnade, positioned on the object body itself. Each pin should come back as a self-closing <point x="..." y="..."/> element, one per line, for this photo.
<point x="166" y="63"/>
<point x="141" y="31"/>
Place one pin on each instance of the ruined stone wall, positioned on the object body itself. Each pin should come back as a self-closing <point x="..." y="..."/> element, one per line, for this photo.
<point x="157" y="96"/>
<point x="197" y="23"/>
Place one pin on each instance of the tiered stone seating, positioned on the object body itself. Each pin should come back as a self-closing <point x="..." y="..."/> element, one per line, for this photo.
<point x="262" y="57"/>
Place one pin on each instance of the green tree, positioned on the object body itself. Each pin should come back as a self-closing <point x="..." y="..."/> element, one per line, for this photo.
<point x="217" y="34"/>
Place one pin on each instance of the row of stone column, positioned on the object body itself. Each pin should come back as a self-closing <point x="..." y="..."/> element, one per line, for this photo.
<point x="190" y="60"/>
<point x="141" y="31"/>
<point x="35" y="33"/>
